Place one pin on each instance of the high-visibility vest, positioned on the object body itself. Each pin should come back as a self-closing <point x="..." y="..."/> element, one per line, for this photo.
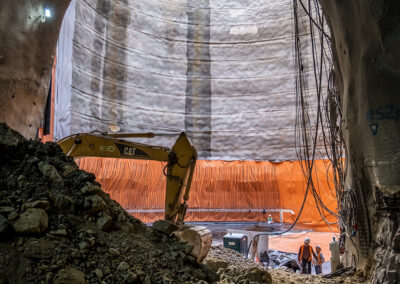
<point x="301" y="253"/>
<point x="319" y="258"/>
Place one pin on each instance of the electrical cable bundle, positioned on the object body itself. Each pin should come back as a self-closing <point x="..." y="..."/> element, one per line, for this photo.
<point x="318" y="130"/>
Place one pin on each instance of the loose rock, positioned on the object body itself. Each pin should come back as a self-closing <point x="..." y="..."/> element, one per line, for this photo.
<point x="64" y="203"/>
<point x="32" y="221"/>
<point x="94" y="204"/>
<point x="39" y="249"/>
<point x="104" y="222"/>
<point x="123" y="266"/>
<point x="69" y="231"/>
<point x="43" y="204"/>
<point x="90" y="189"/>
<point x="50" y="172"/>
<point x="70" y="275"/>
<point x="6" y="229"/>
<point x="6" y="209"/>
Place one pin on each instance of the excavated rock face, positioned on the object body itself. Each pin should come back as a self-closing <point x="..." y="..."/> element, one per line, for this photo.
<point x="366" y="36"/>
<point x="27" y="46"/>
<point x="58" y="226"/>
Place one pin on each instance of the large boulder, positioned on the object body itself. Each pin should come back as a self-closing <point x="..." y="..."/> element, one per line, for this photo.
<point x="104" y="222"/>
<point x="64" y="203"/>
<point x="94" y="204"/>
<point x="50" y="172"/>
<point x="32" y="221"/>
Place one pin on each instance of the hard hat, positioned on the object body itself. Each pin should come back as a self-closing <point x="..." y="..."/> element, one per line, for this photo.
<point x="269" y="215"/>
<point x="317" y="247"/>
<point x="307" y="240"/>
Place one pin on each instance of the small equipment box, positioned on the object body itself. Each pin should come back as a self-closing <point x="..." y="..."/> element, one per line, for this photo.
<point x="237" y="242"/>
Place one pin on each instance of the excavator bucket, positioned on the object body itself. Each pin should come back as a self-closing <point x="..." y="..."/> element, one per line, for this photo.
<point x="197" y="236"/>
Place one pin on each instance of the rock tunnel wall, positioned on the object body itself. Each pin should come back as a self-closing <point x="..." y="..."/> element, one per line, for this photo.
<point x="169" y="63"/>
<point x="366" y="37"/>
<point x="27" y="46"/>
<point x="223" y="71"/>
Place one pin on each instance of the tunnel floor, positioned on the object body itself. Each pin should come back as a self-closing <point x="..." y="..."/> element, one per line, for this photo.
<point x="286" y="243"/>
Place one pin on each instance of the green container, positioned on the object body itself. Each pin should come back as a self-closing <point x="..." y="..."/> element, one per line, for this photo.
<point x="237" y="242"/>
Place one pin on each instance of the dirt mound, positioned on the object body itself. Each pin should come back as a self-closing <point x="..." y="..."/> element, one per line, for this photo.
<point x="232" y="267"/>
<point x="58" y="226"/>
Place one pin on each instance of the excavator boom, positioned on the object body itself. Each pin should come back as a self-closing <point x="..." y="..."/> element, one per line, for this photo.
<point x="96" y="145"/>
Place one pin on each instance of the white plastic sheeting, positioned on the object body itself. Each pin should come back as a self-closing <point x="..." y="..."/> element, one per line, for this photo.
<point x="223" y="71"/>
<point x="62" y="105"/>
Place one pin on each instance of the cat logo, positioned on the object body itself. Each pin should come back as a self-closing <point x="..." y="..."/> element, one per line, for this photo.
<point x="108" y="149"/>
<point x="129" y="151"/>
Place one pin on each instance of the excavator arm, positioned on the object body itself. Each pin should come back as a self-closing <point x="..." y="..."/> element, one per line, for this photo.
<point x="181" y="161"/>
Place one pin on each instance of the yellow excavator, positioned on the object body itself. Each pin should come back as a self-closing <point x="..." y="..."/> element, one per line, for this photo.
<point x="181" y="162"/>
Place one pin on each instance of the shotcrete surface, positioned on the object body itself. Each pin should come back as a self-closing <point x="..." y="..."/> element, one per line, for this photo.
<point x="365" y="43"/>
<point x="27" y="53"/>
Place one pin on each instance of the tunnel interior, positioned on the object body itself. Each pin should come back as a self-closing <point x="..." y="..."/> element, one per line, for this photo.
<point x="296" y="97"/>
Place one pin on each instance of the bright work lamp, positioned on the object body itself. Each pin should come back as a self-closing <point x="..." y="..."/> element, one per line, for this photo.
<point x="47" y="13"/>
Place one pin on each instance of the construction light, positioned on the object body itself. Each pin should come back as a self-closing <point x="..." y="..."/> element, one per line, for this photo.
<point x="47" y="13"/>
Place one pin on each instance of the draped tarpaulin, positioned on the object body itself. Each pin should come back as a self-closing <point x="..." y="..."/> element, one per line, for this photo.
<point x="221" y="190"/>
<point x="222" y="71"/>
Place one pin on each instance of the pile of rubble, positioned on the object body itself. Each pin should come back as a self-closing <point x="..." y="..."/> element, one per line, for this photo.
<point x="58" y="226"/>
<point x="233" y="267"/>
<point x="283" y="275"/>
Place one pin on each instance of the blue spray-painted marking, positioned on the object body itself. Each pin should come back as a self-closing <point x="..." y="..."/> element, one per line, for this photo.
<point x="374" y="128"/>
<point x="388" y="112"/>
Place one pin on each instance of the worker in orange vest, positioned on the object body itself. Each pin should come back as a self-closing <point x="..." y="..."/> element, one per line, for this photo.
<point x="319" y="260"/>
<point x="306" y="254"/>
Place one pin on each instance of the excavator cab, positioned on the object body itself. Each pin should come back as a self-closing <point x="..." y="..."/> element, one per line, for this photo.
<point x="181" y="162"/>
